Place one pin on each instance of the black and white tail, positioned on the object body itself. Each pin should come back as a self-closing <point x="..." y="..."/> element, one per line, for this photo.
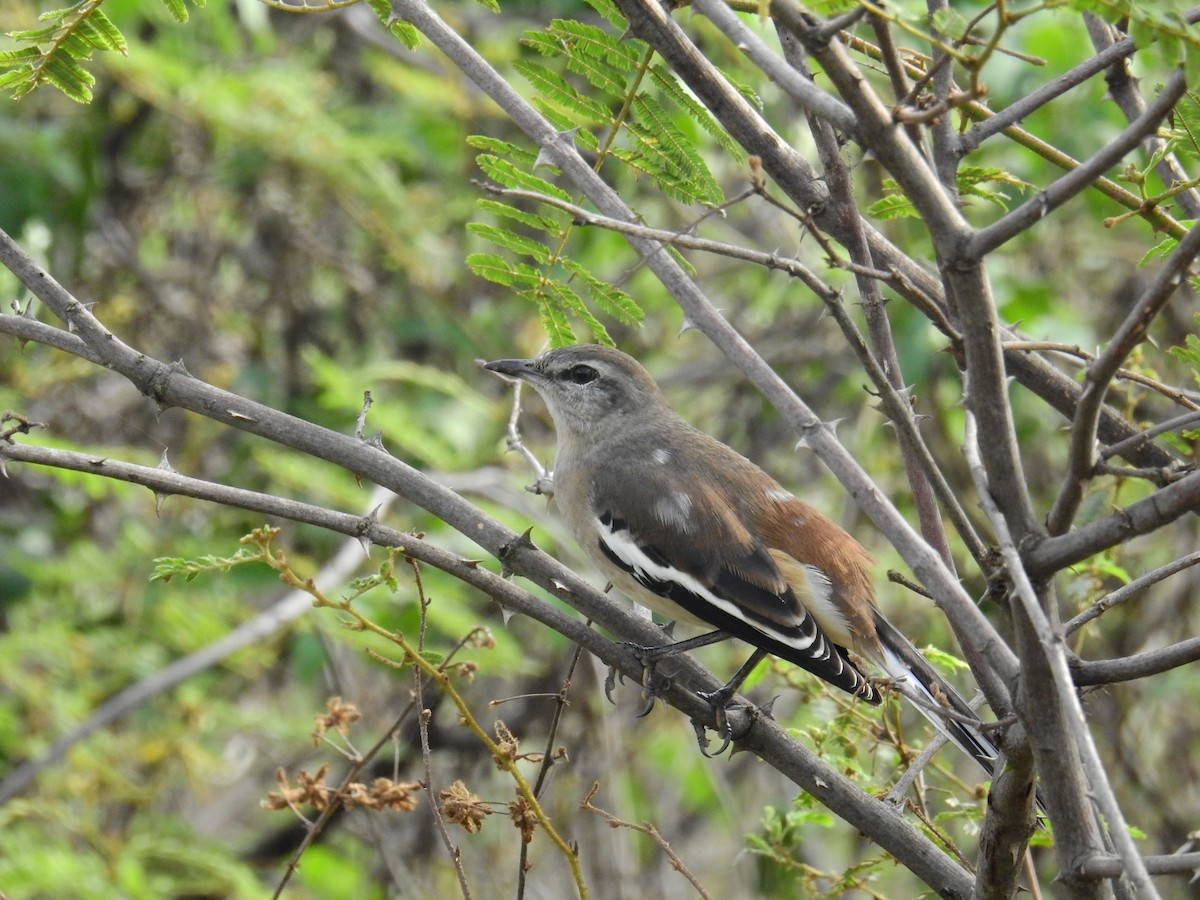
<point x="916" y="679"/>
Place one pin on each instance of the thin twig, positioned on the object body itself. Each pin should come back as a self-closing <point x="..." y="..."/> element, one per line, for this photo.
<point x="650" y="831"/>
<point x="1129" y="591"/>
<point x="548" y="759"/>
<point x="1144" y="437"/>
<point x="435" y="809"/>
<point x="1074" y="351"/>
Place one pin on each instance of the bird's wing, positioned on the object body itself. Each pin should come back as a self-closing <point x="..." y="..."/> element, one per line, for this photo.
<point x="682" y="541"/>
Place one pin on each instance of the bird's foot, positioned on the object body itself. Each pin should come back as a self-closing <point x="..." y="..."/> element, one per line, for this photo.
<point x="652" y="683"/>
<point x="730" y="722"/>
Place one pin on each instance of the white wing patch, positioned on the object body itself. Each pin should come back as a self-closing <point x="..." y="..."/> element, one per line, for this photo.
<point x="645" y="569"/>
<point x="676" y="510"/>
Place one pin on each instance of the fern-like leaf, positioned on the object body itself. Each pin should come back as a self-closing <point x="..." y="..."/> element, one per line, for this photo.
<point x="554" y="323"/>
<point x="60" y="70"/>
<point x="177" y="10"/>
<point x="696" y="111"/>
<point x="669" y="157"/>
<point x="58" y="48"/>
<point x="533" y="220"/>
<point x="572" y="304"/>
<point x="10" y="58"/>
<point x="609" y="11"/>
<point x="612" y="300"/>
<point x="399" y="29"/>
<point x="510" y="240"/>
<point x="554" y="88"/>
<point x="497" y="269"/>
<point x="590" y="40"/>
<point x="504" y="172"/>
<point x="498" y="147"/>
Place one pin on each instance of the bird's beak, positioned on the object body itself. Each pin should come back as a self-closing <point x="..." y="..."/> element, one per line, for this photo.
<point x="513" y="368"/>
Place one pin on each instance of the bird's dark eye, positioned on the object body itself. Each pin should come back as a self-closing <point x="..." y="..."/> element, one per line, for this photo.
<point x="580" y="374"/>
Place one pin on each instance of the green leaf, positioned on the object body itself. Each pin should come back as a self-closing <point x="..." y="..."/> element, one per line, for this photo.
<point x="1184" y="137"/>
<point x="544" y="43"/>
<point x="1161" y="250"/>
<point x="103" y="34"/>
<point x="69" y="77"/>
<point x="696" y="111"/>
<point x="554" y="88"/>
<point x="36" y="35"/>
<point x="497" y="269"/>
<point x="399" y="29"/>
<point x="612" y="300"/>
<point x="609" y="11"/>
<point x="104" y="26"/>
<point x="669" y="157"/>
<point x="592" y="41"/>
<point x="10" y="58"/>
<point x="972" y="178"/>
<point x="177" y="10"/>
<point x="533" y="220"/>
<point x="75" y="43"/>
<point x="58" y="15"/>
<point x="572" y="304"/>
<point x="505" y="173"/>
<point x="555" y="324"/>
<point x="944" y="660"/>
<point x="16" y="76"/>
<point x="1189" y="353"/>
<point x="1165" y="247"/>
<point x="893" y="204"/>
<point x="501" y="148"/>
<point x="511" y="240"/>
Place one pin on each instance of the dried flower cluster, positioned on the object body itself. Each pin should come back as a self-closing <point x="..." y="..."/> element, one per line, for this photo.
<point x="460" y="807"/>
<point x="311" y="790"/>
<point x="339" y="715"/>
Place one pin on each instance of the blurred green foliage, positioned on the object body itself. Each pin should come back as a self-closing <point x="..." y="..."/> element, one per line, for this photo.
<point x="285" y="203"/>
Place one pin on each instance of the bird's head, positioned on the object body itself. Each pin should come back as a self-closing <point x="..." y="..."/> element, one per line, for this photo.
<point x="589" y="389"/>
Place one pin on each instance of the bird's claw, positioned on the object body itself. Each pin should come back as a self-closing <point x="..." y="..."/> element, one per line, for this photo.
<point x="719" y="701"/>
<point x="652" y="683"/>
<point x="610" y="682"/>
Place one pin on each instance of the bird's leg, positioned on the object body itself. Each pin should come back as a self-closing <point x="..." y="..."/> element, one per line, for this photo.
<point x="649" y="658"/>
<point x="719" y="701"/>
<point x="615" y="675"/>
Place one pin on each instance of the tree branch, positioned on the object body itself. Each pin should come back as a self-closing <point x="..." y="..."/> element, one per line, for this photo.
<point x="1112" y="867"/>
<point x="1123" y="89"/>
<point x="1059" y="192"/>
<point x="1036" y="99"/>
<point x="1140" y="665"/>
<point x="1081" y="454"/>
<point x="1056" y="713"/>
<point x="812" y="99"/>
<point x="1165" y="505"/>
